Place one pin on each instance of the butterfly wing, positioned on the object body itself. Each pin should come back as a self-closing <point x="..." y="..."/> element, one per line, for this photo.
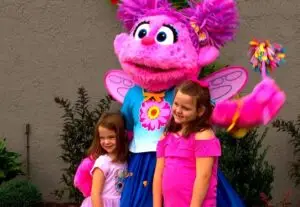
<point x="226" y="82"/>
<point x="117" y="83"/>
<point x="223" y="84"/>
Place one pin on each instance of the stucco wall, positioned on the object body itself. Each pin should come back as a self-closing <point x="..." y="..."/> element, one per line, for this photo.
<point x="51" y="47"/>
<point x="279" y="21"/>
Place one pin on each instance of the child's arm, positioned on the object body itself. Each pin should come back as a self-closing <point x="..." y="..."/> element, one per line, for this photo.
<point x="204" y="167"/>
<point x="97" y="187"/>
<point x="157" y="180"/>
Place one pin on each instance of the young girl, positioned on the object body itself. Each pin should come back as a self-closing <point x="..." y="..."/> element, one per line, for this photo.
<point x="110" y="149"/>
<point x="187" y="154"/>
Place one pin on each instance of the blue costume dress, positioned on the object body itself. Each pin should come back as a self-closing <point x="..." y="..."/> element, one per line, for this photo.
<point x="146" y="115"/>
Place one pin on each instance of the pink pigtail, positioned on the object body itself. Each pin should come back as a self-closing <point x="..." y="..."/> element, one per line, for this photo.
<point x="131" y="10"/>
<point x="214" y="21"/>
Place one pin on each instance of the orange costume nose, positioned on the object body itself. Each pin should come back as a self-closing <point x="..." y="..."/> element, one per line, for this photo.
<point x="148" y="41"/>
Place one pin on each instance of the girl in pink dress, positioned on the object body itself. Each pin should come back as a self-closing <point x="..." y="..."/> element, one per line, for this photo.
<point x="187" y="154"/>
<point x="110" y="150"/>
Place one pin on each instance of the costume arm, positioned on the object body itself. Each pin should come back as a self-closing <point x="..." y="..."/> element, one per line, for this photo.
<point x="83" y="178"/>
<point x="258" y="108"/>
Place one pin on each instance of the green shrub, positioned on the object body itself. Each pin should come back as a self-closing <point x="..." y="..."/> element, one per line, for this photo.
<point x="211" y="68"/>
<point x="16" y="192"/>
<point x="10" y="166"/>
<point x="243" y="163"/>
<point x="79" y="120"/>
<point x="292" y="130"/>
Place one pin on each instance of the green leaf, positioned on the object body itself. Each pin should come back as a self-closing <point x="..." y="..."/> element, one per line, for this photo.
<point x="213" y="67"/>
<point x="292" y="131"/>
<point x="179" y="4"/>
<point x="10" y="165"/>
<point x="245" y="158"/>
<point x="2" y="174"/>
<point x="76" y="135"/>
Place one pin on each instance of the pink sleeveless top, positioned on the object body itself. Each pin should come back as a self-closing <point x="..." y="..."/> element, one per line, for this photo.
<point x="180" y="168"/>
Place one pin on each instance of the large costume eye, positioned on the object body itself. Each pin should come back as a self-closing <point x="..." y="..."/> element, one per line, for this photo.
<point x="166" y="35"/>
<point x="141" y="30"/>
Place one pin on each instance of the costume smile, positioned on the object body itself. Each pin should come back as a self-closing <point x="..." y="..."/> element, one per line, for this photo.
<point x="148" y="68"/>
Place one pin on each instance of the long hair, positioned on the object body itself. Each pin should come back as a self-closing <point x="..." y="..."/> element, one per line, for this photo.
<point x="114" y="122"/>
<point x="201" y="96"/>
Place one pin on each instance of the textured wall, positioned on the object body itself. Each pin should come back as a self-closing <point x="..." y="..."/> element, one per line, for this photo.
<point x="51" y="47"/>
<point x="280" y="22"/>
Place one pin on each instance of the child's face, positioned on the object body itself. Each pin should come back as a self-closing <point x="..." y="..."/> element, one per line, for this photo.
<point x="184" y="108"/>
<point x="108" y="139"/>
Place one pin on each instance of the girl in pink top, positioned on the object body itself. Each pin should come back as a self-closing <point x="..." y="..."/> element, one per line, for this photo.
<point x="110" y="149"/>
<point x="187" y="154"/>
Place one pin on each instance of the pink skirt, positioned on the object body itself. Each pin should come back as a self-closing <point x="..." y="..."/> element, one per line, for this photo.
<point x="107" y="202"/>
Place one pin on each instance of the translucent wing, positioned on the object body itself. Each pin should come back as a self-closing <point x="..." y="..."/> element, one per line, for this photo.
<point x="226" y="82"/>
<point x="117" y="83"/>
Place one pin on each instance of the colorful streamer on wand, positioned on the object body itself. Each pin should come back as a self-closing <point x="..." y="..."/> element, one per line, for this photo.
<point x="265" y="57"/>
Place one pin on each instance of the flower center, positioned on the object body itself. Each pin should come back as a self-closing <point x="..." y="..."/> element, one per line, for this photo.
<point x="153" y="112"/>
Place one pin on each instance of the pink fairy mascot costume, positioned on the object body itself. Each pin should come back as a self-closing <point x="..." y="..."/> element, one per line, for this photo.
<point x="162" y="48"/>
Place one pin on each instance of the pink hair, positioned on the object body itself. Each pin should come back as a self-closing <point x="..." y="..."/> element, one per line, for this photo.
<point x="217" y="19"/>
